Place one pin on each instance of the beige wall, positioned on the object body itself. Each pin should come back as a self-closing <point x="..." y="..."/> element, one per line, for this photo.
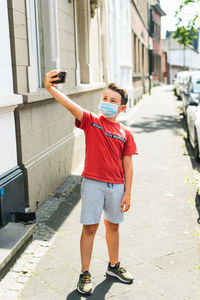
<point x="142" y="8"/>
<point x="19" y="44"/>
<point x="67" y="41"/>
<point x="139" y="21"/>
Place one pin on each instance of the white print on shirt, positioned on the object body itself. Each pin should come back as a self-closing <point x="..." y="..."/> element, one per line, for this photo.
<point x="115" y="136"/>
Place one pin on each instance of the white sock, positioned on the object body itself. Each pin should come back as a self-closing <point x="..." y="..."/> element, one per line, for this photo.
<point x="112" y="266"/>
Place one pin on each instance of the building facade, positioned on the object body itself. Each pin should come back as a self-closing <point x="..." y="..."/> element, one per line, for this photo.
<point x="140" y="45"/>
<point x="155" y="15"/>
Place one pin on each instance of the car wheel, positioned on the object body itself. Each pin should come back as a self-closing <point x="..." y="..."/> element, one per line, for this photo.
<point x="196" y="149"/>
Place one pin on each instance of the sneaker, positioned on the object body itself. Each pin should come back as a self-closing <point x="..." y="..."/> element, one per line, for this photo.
<point x="85" y="285"/>
<point x="120" y="273"/>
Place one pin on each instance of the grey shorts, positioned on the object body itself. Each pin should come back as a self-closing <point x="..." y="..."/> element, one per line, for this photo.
<point x="98" y="196"/>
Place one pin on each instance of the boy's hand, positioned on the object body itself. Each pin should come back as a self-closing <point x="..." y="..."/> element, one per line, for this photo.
<point x="126" y="203"/>
<point x="72" y="107"/>
<point x="49" y="78"/>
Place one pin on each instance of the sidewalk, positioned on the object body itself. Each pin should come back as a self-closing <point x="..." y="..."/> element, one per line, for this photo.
<point x="159" y="240"/>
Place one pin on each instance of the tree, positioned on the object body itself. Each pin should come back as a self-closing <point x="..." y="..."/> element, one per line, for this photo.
<point x="184" y="7"/>
<point x="185" y="34"/>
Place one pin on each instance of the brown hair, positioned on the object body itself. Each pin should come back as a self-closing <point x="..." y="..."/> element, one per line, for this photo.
<point x="113" y="86"/>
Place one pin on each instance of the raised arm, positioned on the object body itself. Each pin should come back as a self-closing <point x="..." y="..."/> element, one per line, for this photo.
<point x="74" y="108"/>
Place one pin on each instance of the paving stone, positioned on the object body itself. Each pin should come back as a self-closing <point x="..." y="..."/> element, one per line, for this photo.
<point x="17" y="268"/>
<point x="9" y="295"/>
<point x="22" y="279"/>
<point x="17" y="286"/>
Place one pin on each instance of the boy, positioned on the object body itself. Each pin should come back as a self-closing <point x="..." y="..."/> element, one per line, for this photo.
<point x="107" y="175"/>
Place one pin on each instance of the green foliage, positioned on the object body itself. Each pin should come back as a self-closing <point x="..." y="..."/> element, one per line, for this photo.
<point x="184" y="4"/>
<point x="190" y="1"/>
<point x="185" y="34"/>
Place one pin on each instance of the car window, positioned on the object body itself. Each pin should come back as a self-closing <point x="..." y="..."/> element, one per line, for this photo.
<point x="196" y="86"/>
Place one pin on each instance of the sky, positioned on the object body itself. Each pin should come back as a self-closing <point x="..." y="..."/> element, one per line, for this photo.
<point x="168" y="22"/>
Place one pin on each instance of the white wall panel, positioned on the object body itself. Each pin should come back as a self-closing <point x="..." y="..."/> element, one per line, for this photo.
<point x="176" y="57"/>
<point x="5" y="54"/>
<point x="3" y="17"/>
<point x="6" y="83"/>
<point x="8" y="156"/>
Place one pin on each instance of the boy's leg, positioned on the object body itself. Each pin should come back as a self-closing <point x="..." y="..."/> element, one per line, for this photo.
<point x="112" y="239"/>
<point x="92" y="207"/>
<point x="112" y="218"/>
<point x="84" y="285"/>
<point x="86" y="245"/>
<point x="112" y="210"/>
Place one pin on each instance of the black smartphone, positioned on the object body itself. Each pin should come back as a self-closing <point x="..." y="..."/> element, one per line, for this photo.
<point x="62" y="76"/>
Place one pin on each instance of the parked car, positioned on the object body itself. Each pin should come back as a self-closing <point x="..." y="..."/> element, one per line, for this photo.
<point x="179" y="83"/>
<point x="193" y="117"/>
<point x="186" y="92"/>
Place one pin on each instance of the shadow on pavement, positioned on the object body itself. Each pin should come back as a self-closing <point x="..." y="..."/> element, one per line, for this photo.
<point x="65" y="208"/>
<point x="158" y="122"/>
<point x="99" y="292"/>
<point x="168" y="89"/>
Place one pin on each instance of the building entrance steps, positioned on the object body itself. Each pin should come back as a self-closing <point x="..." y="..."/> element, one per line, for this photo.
<point x="13" y="236"/>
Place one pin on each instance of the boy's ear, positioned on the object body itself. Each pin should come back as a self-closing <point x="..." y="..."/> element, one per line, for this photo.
<point x="123" y="107"/>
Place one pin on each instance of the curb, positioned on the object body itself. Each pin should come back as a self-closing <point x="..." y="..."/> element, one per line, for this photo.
<point x="12" y="238"/>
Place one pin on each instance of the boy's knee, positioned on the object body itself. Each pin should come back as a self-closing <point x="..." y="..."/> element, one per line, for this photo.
<point x="90" y="229"/>
<point x="111" y="226"/>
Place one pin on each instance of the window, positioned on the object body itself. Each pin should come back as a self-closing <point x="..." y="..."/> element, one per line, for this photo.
<point x="134" y="53"/>
<point x="159" y="32"/>
<point x="48" y="35"/>
<point x="83" y="40"/>
<point x="138" y="68"/>
<point x="34" y="76"/>
<point x="43" y="40"/>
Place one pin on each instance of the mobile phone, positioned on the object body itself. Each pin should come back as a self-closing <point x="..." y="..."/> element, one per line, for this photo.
<point x="62" y="76"/>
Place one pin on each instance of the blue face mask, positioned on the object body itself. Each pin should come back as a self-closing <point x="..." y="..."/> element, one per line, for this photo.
<point x="108" y="109"/>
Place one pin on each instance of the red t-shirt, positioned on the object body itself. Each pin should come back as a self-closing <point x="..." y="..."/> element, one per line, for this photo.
<point x="106" y="144"/>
